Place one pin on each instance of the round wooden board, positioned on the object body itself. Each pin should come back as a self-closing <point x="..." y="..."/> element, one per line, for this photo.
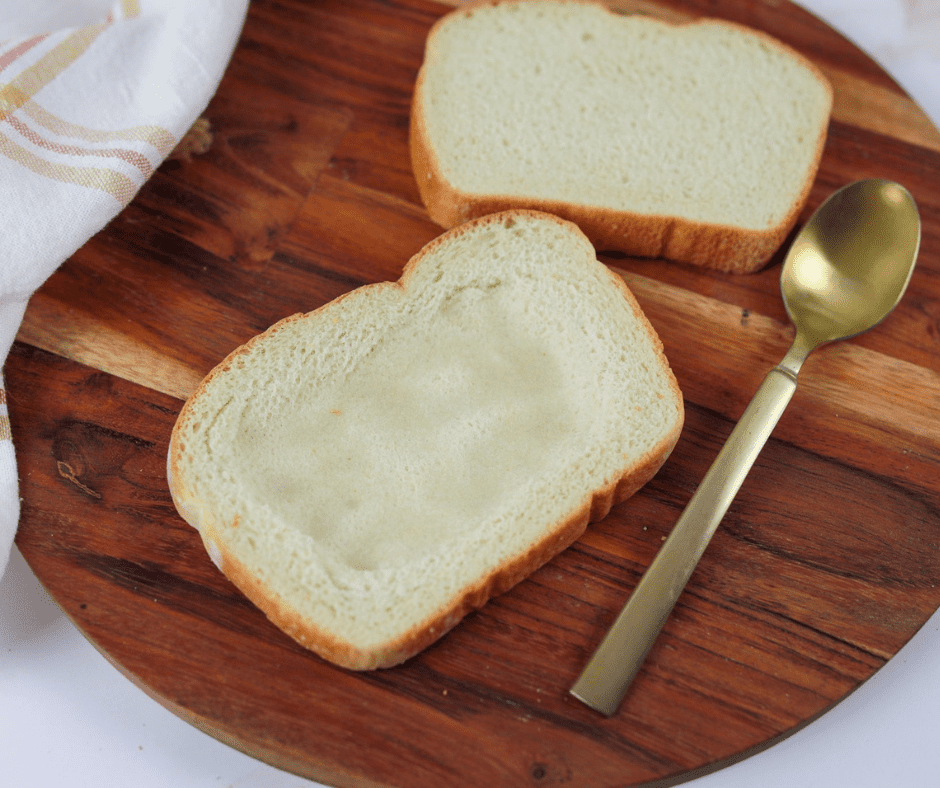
<point x="826" y="565"/>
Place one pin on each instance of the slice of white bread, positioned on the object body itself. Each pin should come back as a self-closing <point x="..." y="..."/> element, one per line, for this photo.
<point x="696" y="142"/>
<point x="370" y="472"/>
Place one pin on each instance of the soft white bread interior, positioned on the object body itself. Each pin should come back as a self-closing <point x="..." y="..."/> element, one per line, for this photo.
<point x="697" y="142"/>
<point x="370" y="472"/>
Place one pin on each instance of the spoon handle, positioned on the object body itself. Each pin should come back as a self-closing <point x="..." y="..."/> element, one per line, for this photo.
<point x="607" y="675"/>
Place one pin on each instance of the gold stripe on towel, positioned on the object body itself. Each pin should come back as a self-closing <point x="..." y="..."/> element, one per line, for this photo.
<point x="114" y="183"/>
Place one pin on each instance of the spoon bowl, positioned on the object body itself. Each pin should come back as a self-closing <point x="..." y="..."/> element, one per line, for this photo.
<point x="844" y="273"/>
<point x="851" y="263"/>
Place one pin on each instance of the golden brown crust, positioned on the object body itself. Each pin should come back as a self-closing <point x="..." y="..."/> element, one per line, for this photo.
<point x="422" y="634"/>
<point x="724" y="248"/>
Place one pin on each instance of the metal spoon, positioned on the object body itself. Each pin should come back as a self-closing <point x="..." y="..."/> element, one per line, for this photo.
<point x="846" y="270"/>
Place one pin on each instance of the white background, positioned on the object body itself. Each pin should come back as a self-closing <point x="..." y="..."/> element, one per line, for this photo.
<point x="67" y="717"/>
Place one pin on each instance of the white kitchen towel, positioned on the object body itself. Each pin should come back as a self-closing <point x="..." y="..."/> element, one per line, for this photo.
<point x="87" y="112"/>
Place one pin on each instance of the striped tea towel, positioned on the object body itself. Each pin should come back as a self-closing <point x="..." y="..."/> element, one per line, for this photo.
<point x="87" y="113"/>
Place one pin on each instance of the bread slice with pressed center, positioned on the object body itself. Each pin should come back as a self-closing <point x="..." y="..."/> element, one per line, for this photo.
<point x="371" y="471"/>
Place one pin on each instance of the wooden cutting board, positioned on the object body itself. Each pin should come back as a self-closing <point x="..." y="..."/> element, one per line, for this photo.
<point x="827" y="563"/>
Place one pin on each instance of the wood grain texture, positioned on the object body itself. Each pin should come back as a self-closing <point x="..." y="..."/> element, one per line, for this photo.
<point x="825" y="566"/>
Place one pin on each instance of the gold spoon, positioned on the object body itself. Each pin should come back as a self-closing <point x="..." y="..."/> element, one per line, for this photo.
<point x="846" y="270"/>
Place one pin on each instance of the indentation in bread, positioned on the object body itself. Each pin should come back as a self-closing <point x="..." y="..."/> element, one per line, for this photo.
<point x="370" y="472"/>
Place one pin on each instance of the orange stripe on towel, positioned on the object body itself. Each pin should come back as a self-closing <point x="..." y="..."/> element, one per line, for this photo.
<point x="20" y="49"/>
<point x="132" y="157"/>
<point x="157" y="136"/>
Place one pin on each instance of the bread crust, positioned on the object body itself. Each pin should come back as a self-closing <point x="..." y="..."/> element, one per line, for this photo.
<point x="421" y="634"/>
<point x="724" y="248"/>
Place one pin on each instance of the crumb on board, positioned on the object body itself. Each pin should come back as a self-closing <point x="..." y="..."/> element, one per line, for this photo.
<point x="195" y="142"/>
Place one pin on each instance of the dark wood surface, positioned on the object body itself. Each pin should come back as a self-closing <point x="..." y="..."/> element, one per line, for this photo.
<point x="827" y="563"/>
